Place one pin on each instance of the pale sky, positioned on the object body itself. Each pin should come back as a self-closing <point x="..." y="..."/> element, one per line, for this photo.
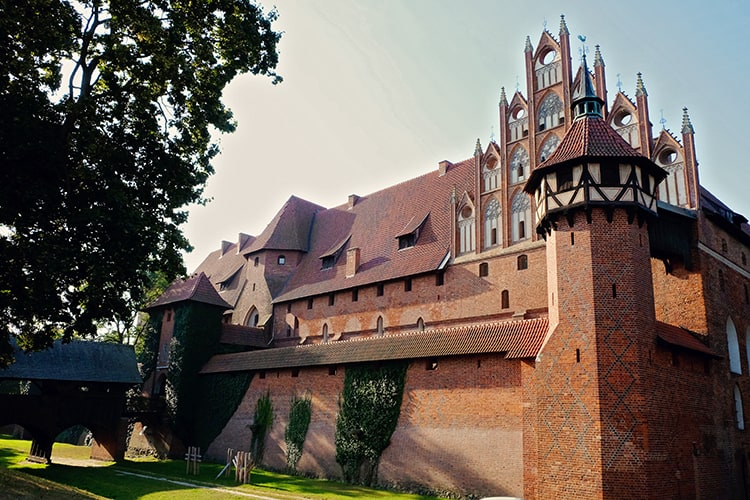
<point x="378" y="92"/>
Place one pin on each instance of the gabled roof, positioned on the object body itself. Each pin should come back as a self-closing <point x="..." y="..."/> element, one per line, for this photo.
<point x="372" y="225"/>
<point x="514" y="339"/>
<point x="224" y="266"/>
<point x="196" y="288"/>
<point x="77" y="361"/>
<point x="289" y="229"/>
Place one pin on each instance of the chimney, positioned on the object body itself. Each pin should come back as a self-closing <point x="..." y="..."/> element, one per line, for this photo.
<point x="352" y="261"/>
<point x="443" y="167"/>
<point x="225" y="246"/>
<point x="353" y="199"/>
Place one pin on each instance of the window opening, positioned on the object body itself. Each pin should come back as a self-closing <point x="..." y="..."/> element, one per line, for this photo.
<point x="379" y="291"/>
<point x="484" y="269"/>
<point x="380" y="326"/>
<point x="505" y="299"/>
<point x="733" y="347"/>
<point x="522" y="262"/>
<point x="407" y="285"/>
<point x="309" y="303"/>
<point x="281" y="260"/>
<point x="420" y="325"/>
<point x="355" y="294"/>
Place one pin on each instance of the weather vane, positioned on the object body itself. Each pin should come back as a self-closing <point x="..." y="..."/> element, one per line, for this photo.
<point x="583" y="50"/>
<point x="662" y="120"/>
<point x="619" y="83"/>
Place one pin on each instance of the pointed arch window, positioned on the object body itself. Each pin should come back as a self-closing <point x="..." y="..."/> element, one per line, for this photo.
<point x="381" y="331"/>
<point x="253" y="317"/>
<point x="521" y="217"/>
<point x="466" y="230"/>
<point x="491" y="174"/>
<point x="733" y="347"/>
<point x="325" y="333"/>
<point x="519" y="165"/>
<point x="739" y="413"/>
<point x="420" y="325"/>
<point x="550" y="112"/>
<point x="549" y="147"/>
<point x="492" y="224"/>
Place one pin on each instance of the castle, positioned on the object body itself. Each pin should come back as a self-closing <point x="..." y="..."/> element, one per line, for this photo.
<point x="570" y="304"/>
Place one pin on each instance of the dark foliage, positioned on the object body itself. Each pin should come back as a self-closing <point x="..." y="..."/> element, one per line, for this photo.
<point x="108" y="109"/>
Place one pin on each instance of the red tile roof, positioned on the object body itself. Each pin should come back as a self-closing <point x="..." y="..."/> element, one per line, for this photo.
<point x="289" y="229"/>
<point x="196" y="288"/>
<point x="221" y="265"/>
<point x="682" y="337"/>
<point x="373" y="224"/>
<point x="516" y="339"/>
<point x="249" y="336"/>
<point x="590" y="138"/>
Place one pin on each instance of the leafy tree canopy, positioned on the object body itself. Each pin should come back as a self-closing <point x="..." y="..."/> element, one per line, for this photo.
<point x="108" y="109"/>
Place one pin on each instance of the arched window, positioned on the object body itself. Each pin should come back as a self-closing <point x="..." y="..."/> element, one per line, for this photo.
<point x="549" y="147"/>
<point x="325" y="333"/>
<point x="420" y="325"/>
<point x="491" y="173"/>
<point x="484" y="269"/>
<point x="252" y="317"/>
<point x="466" y="231"/>
<point x="734" y="348"/>
<point x="739" y="413"/>
<point x="380" y="326"/>
<point x="505" y="299"/>
<point x="519" y="165"/>
<point x="550" y="112"/>
<point x="492" y="224"/>
<point x="521" y="219"/>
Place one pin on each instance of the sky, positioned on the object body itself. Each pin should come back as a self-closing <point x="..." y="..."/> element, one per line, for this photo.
<point x="377" y="92"/>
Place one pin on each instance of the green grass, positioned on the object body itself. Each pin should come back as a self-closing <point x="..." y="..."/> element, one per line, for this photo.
<point x="118" y="480"/>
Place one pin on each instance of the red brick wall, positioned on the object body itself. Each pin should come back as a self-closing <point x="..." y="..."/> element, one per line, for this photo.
<point x="464" y="297"/>
<point x="460" y="427"/>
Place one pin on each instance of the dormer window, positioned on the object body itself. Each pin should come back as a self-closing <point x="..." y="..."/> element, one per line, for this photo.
<point x="408" y="237"/>
<point x="407" y="240"/>
<point x="329" y="259"/>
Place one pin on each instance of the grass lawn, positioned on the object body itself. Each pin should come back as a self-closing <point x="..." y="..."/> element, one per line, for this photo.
<point x="154" y="479"/>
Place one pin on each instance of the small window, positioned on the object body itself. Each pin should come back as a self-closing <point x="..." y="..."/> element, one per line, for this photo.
<point x="380" y="327"/>
<point x="309" y="303"/>
<point x="521" y="229"/>
<point x="256" y="261"/>
<point x="407" y="285"/>
<point x="289" y="307"/>
<point x="610" y="174"/>
<point x="332" y="370"/>
<point x="432" y="364"/>
<point x="440" y="278"/>
<point x="407" y="241"/>
<point x="325" y="333"/>
<point x="281" y="260"/>
<point x="331" y="299"/>
<point x="484" y="269"/>
<point x="738" y="410"/>
<point x="379" y="292"/>
<point x="355" y="295"/>
<point x="327" y="262"/>
<point x="420" y="325"/>
<point x="169" y="316"/>
<point x="522" y="262"/>
<point x="645" y="182"/>
<point x="565" y="179"/>
<point x="295" y="372"/>
<point x="505" y="299"/>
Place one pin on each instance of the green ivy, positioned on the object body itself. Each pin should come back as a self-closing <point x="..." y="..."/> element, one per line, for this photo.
<point x="220" y="395"/>
<point x="150" y="350"/>
<point x="299" y="420"/>
<point x="369" y="409"/>
<point x="262" y="421"/>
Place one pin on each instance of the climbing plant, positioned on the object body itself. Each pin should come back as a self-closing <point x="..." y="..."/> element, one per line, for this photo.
<point x="369" y="408"/>
<point x="262" y="421"/>
<point x="220" y="395"/>
<point x="148" y="351"/>
<point x="299" y="420"/>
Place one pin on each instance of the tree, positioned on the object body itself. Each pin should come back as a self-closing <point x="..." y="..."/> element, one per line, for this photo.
<point x="108" y="110"/>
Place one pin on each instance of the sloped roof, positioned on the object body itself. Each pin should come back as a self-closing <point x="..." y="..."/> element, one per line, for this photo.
<point x="373" y="224"/>
<point x="517" y="339"/>
<point x="289" y="229"/>
<point x="249" y="336"/>
<point x="682" y="337"/>
<point x="223" y="264"/>
<point x="78" y="361"/>
<point x="196" y="288"/>
<point x="590" y="138"/>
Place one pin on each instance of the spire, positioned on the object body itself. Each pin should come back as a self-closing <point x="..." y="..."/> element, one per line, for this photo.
<point x="687" y="127"/>
<point x="640" y="89"/>
<point x="528" y="47"/>
<point x="598" y="61"/>
<point x="478" y="148"/>
<point x="503" y="99"/>
<point x="563" y="26"/>
<point x="585" y="100"/>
